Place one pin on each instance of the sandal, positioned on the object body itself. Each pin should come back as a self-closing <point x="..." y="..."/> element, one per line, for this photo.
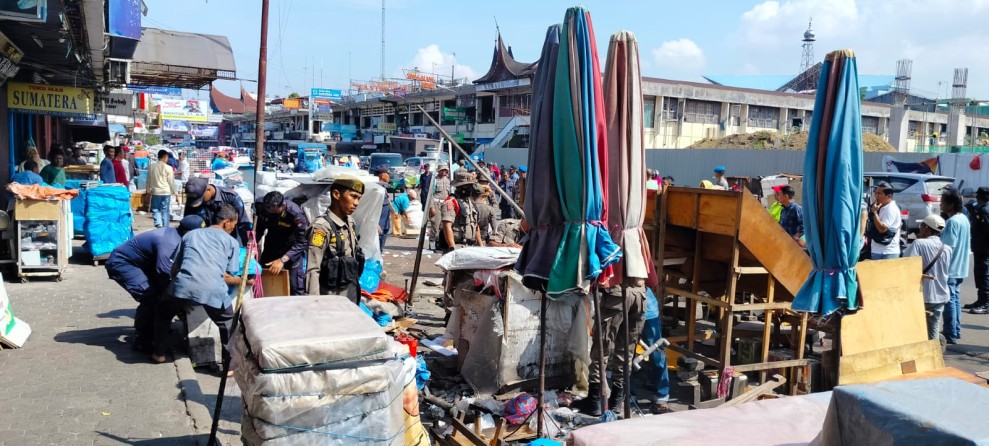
<point x="659" y="408"/>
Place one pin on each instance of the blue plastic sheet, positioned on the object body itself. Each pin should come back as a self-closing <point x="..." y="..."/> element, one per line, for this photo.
<point x="422" y="372"/>
<point x="77" y="205"/>
<point x="109" y="220"/>
<point x="371" y="276"/>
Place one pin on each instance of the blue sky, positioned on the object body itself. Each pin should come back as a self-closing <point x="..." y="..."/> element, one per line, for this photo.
<point x="325" y="43"/>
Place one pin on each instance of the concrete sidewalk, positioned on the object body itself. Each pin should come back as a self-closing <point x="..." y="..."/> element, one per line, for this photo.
<point x="77" y="381"/>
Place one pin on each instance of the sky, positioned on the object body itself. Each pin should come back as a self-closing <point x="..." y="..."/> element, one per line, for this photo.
<point x="326" y="43"/>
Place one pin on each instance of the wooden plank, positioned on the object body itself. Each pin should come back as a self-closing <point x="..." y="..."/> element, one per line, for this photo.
<point x="681" y="207"/>
<point x="275" y="284"/>
<point x="767" y="325"/>
<point x="697" y="297"/>
<point x="762" y="306"/>
<point x="690" y="353"/>
<point x="695" y="283"/>
<point x="892" y="312"/>
<point x="750" y="270"/>
<point x="718" y="214"/>
<point x="770" y="365"/>
<point x="727" y="317"/>
<point x="772" y="246"/>
<point x="881" y="365"/>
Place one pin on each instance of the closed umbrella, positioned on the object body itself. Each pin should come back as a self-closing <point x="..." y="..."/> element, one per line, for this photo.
<point x="833" y="190"/>
<point x="626" y="184"/>
<point x="579" y="144"/>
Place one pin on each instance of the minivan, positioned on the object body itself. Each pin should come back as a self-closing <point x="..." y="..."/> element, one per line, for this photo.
<point x="917" y="195"/>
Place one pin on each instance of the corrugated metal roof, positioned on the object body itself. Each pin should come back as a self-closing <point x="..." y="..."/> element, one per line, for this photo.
<point x="774" y="82"/>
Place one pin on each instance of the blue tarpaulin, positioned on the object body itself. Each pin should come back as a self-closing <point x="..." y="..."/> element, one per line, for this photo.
<point x="108" y="218"/>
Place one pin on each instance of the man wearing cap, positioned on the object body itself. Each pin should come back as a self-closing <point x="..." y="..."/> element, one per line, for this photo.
<point x="520" y="186"/>
<point x="776" y="208"/>
<point x="509" y="233"/>
<point x="442" y="189"/>
<point x="458" y="216"/>
<point x="335" y="262"/>
<point x="205" y="200"/>
<point x="283" y="225"/>
<point x="484" y="183"/>
<point x="978" y="215"/>
<point x="935" y="257"/>
<point x="425" y="180"/>
<point x="142" y="266"/>
<point x="719" y="178"/>
<point x="883" y="226"/>
<point x="384" y="219"/>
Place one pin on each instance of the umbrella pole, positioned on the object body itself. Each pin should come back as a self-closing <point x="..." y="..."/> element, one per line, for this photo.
<point x="494" y="184"/>
<point x="626" y="365"/>
<point x="422" y="239"/>
<point x="600" y="344"/>
<point x="542" y="363"/>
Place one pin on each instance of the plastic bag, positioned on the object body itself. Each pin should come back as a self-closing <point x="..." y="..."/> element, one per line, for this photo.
<point x="371" y="276"/>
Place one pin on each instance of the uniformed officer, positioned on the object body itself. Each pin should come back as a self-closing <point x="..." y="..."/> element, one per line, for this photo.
<point x="335" y="262"/>
<point x="442" y="184"/>
<point x="205" y="200"/>
<point x="508" y="233"/>
<point x="143" y="267"/>
<point x="484" y="181"/>
<point x="459" y="216"/>
<point x="286" y="225"/>
<point x="487" y="221"/>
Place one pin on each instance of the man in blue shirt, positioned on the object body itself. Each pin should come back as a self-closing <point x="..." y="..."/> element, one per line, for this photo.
<point x="205" y="200"/>
<point x="791" y="215"/>
<point x="143" y="267"/>
<point x="29" y="176"/>
<point x="958" y="235"/>
<point x="106" y="167"/>
<point x="200" y="276"/>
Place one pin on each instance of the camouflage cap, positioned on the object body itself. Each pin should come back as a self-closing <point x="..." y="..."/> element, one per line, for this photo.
<point x="462" y="177"/>
<point x="350" y="182"/>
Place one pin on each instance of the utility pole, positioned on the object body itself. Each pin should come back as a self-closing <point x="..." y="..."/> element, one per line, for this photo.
<point x="382" y="40"/>
<point x="259" y="112"/>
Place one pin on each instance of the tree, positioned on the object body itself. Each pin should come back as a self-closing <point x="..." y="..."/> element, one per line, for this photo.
<point x="293" y="95"/>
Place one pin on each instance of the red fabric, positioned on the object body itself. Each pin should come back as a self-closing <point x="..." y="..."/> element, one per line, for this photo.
<point x="602" y="138"/>
<point x="387" y="292"/>
<point x="976" y="163"/>
<point x="120" y="172"/>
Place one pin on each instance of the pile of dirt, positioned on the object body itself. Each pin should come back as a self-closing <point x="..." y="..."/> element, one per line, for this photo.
<point x="772" y="140"/>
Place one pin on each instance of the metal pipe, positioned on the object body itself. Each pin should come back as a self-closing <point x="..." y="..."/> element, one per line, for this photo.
<point x="422" y="241"/>
<point x="600" y="344"/>
<point x="470" y="160"/>
<point x="542" y="362"/>
<point x="626" y="366"/>
<point x="11" y="141"/>
<point x="259" y="111"/>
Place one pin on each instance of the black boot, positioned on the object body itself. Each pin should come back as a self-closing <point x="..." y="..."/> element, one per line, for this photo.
<point x="616" y="401"/>
<point x="592" y="404"/>
<point x="978" y="303"/>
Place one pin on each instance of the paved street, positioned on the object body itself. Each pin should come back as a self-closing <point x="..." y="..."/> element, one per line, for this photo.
<point x="77" y="381"/>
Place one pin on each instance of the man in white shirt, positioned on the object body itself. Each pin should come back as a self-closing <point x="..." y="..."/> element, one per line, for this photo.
<point x="183" y="177"/>
<point x="935" y="257"/>
<point x="161" y="187"/>
<point x="884" y="216"/>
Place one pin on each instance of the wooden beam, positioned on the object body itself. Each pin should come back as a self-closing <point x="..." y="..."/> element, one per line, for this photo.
<point x="762" y="306"/>
<point x="690" y="353"/>
<point x="770" y="365"/>
<point x="694" y="297"/>
<point x="750" y="270"/>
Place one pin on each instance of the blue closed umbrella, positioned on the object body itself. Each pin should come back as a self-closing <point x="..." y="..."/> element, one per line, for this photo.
<point x="833" y="190"/>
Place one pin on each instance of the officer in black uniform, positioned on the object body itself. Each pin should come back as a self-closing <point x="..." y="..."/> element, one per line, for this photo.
<point x="205" y="200"/>
<point x="285" y="225"/>
<point x="335" y="261"/>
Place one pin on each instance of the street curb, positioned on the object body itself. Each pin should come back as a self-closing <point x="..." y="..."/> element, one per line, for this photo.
<point x="202" y="420"/>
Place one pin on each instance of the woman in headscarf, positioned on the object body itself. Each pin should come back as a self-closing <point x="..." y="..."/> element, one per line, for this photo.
<point x="32" y="154"/>
<point x="54" y="173"/>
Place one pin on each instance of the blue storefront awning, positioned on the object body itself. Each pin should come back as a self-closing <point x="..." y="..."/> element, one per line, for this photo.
<point x="117" y="128"/>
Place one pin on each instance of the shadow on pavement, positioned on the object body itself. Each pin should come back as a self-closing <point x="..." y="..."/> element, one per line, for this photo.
<point x="974" y="327"/>
<point x="115" y="339"/>
<point x="118" y="314"/>
<point x="183" y="440"/>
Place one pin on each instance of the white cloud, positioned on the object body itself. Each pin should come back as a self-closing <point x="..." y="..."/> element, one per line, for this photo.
<point x="432" y="57"/>
<point x="938" y="38"/>
<point x="681" y="56"/>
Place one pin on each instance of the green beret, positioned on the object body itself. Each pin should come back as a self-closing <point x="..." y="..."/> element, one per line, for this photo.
<point x="350" y="182"/>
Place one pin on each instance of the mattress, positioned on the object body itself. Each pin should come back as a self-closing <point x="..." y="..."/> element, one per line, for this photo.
<point x="302" y="331"/>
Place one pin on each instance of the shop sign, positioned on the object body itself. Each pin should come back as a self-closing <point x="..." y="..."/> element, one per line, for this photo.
<point x="454" y="114"/>
<point x="160" y="91"/>
<point x="51" y="100"/>
<point x="118" y="104"/>
<point x="291" y="104"/>
<point x="325" y="93"/>
<point x="421" y="77"/>
<point x="503" y="84"/>
<point x="183" y="109"/>
<point x="171" y="125"/>
<point x="387" y="126"/>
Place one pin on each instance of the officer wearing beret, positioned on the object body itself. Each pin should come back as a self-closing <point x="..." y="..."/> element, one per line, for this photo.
<point x="284" y="226"/>
<point x="205" y="200"/>
<point x="335" y="262"/>
<point x="458" y="215"/>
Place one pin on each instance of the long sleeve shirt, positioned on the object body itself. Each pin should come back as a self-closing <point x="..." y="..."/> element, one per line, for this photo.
<point x="161" y="180"/>
<point x="107" y="173"/>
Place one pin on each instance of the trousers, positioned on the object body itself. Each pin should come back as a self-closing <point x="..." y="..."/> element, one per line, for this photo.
<point x="658" y="376"/>
<point x="612" y="332"/>
<point x="982" y="275"/>
<point x="168" y="307"/>
<point x="934" y="312"/>
<point x="160" y="209"/>
<point x="953" y="311"/>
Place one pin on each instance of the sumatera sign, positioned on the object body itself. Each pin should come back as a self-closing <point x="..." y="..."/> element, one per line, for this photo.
<point x="52" y="100"/>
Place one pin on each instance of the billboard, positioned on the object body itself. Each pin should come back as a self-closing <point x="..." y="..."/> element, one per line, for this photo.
<point x="124" y="18"/>
<point x="171" y="125"/>
<point x="325" y="93"/>
<point x="160" y="91"/>
<point x="52" y="100"/>
<point x="183" y="109"/>
<point x="291" y="104"/>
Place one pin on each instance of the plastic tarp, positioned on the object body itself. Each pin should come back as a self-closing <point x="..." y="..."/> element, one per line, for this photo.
<point x="787" y="421"/>
<point x="78" y="204"/>
<point x="318" y="199"/>
<point x="937" y="411"/>
<point x="108" y="218"/>
<point x="298" y="332"/>
<point x="477" y="258"/>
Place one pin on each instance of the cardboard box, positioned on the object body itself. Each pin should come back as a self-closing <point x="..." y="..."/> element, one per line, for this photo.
<point x="37" y="210"/>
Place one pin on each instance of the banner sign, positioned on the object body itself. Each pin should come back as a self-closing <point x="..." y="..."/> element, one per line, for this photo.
<point x="183" y="109"/>
<point x="422" y="77"/>
<point x="204" y="131"/>
<point x="326" y="93"/>
<point x="291" y="104"/>
<point x="94" y="121"/>
<point x="124" y="18"/>
<point x="171" y="125"/>
<point x="503" y="84"/>
<point x="454" y="114"/>
<point x="51" y="100"/>
<point x="387" y="126"/>
<point x="119" y="104"/>
<point x="162" y="91"/>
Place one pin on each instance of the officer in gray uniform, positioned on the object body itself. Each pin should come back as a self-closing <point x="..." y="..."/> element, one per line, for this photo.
<point x="458" y="216"/>
<point x="509" y="233"/>
<point x="487" y="221"/>
<point x="334" y="262"/>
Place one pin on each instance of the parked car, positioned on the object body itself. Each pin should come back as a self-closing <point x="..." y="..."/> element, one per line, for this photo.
<point x="917" y="195"/>
<point x="396" y="166"/>
<point x="414" y="165"/>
